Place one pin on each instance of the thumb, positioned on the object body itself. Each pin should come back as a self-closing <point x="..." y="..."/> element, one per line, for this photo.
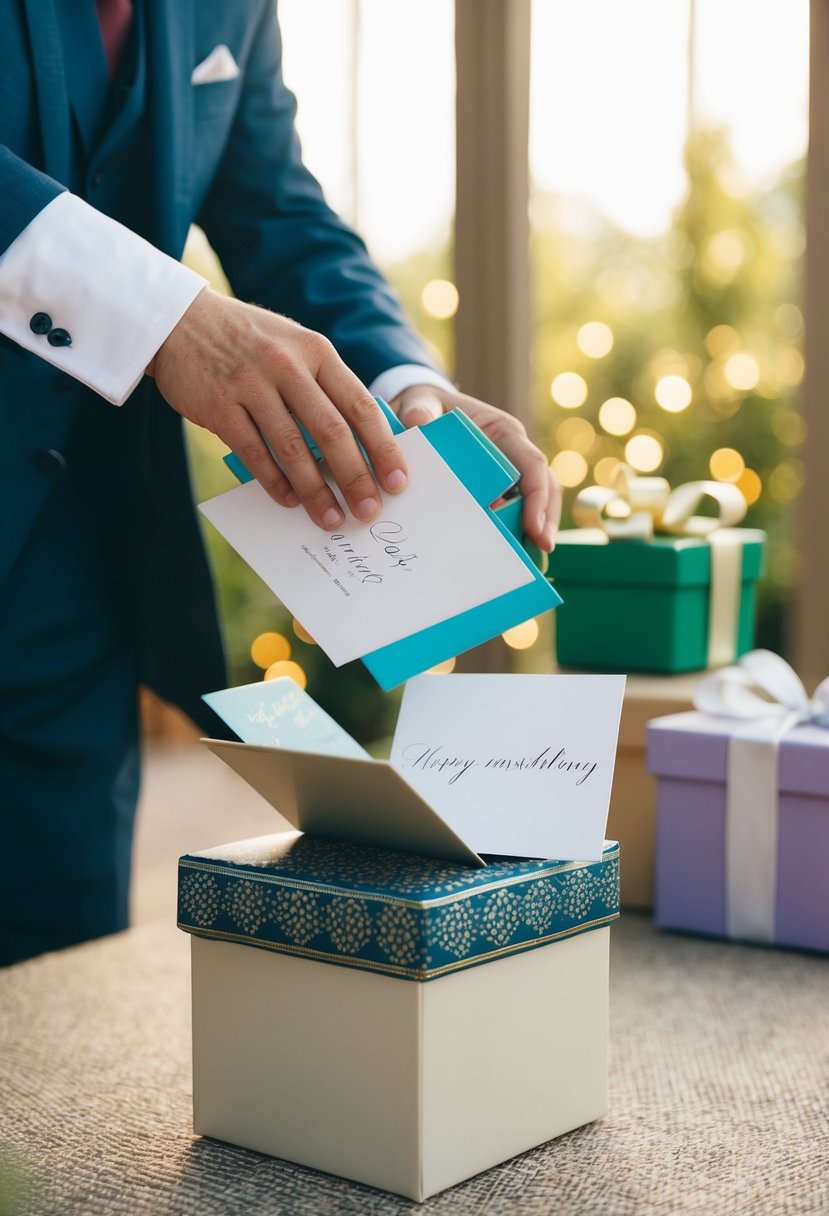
<point x="418" y="405"/>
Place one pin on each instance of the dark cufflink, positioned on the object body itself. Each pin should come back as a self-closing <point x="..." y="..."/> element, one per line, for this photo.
<point x="50" y="461"/>
<point x="40" y="323"/>
<point x="59" y="337"/>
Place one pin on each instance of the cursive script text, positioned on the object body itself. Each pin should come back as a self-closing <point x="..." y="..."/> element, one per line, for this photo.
<point x="357" y="562"/>
<point x="422" y="756"/>
<point x="389" y="534"/>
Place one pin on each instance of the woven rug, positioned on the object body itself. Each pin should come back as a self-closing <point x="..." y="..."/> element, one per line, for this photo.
<point x="719" y="1095"/>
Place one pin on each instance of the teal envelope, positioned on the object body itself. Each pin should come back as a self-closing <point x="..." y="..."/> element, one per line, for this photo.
<point x="487" y="475"/>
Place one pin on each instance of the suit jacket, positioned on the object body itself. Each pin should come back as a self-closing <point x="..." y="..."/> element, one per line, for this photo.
<point x="224" y="155"/>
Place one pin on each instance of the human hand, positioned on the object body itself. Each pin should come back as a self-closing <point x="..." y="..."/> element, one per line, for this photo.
<point x="244" y="373"/>
<point x="538" y="484"/>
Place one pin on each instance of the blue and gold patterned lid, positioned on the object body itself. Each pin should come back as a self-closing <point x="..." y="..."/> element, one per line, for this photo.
<point x="396" y="913"/>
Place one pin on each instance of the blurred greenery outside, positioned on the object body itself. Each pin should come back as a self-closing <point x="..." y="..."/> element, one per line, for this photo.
<point x="724" y="281"/>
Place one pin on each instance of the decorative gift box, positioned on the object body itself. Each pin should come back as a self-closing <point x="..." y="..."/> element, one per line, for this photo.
<point x="637" y="601"/>
<point x="743" y="808"/>
<point x="401" y="1021"/>
<point x="632" y="817"/>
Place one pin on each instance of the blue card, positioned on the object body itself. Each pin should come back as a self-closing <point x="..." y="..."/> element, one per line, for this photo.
<point x="278" y="713"/>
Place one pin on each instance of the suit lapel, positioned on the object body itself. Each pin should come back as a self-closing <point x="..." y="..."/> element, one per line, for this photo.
<point x="170" y="100"/>
<point x="50" y="83"/>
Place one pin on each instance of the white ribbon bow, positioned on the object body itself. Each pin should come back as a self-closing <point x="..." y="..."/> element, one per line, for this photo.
<point x="763" y="692"/>
<point x="635" y="508"/>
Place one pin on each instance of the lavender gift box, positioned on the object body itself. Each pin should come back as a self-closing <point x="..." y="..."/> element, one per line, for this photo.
<point x="689" y="755"/>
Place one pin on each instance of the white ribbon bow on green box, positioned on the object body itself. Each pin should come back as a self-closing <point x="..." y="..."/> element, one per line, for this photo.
<point x="638" y="508"/>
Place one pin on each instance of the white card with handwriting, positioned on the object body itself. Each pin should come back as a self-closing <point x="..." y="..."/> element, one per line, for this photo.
<point x="520" y="765"/>
<point x="431" y="554"/>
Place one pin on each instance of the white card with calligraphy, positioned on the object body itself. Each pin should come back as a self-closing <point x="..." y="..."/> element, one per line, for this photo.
<point x="519" y="765"/>
<point x="432" y="554"/>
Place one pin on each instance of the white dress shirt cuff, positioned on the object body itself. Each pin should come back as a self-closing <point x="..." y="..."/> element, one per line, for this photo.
<point x="389" y="383"/>
<point x="114" y="296"/>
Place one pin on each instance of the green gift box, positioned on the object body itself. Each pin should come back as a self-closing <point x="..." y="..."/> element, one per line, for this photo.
<point x="670" y="604"/>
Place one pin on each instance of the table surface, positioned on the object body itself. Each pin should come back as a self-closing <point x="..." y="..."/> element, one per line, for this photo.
<point x="718" y="1094"/>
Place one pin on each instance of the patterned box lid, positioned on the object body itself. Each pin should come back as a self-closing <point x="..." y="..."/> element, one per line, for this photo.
<point x="396" y="913"/>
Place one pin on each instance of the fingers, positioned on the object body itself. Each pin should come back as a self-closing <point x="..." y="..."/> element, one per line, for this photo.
<point x="252" y="377"/>
<point x="353" y="403"/>
<point x="336" y="411"/>
<point x="305" y="382"/>
<point x="278" y="413"/>
<point x="418" y="405"/>
<point x="245" y="438"/>
<point x="539" y="488"/>
<point x="538" y="484"/>
<point x="554" y="504"/>
<point x="541" y="522"/>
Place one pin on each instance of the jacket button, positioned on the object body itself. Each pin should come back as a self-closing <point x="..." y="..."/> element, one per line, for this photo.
<point x="59" y="337"/>
<point x="40" y="323"/>
<point x="51" y="461"/>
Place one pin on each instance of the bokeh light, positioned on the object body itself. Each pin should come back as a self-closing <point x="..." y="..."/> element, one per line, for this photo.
<point x="605" y="471"/>
<point x="789" y="427"/>
<point x="269" y="648"/>
<point x="751" y="485"/>
<point x="617" y="416"/>
<point x="444" y="668"/>
<point x="440" y="299"/>
<point x="673" y="393"/>
<point x="722" y="397"/>
<point x="569" y="390"/>
<point x="722" y="340"/>
<point x="742" y="371"/>
<point x="785" y="482"/>
<point x="303" y="634"/>
<point x="789" y="320"/>
<point x="521" y="637"/>
<point x="789" y="366"/>
<point x="644" y="452"/>
<point x="722" y="256"/>
<point x="576" y="433"/>
<point x="726" y="464"/>
<point x="669" y="362"/>
<point x="287" y="667"/>
<point x="595" y="339"/>
<point x="569" y="467"/>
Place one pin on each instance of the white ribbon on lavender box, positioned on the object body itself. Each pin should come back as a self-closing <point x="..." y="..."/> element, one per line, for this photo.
<point x="764" y="693"/>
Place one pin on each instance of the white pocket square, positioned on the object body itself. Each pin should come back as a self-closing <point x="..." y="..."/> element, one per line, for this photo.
<point x="219" y="65"/>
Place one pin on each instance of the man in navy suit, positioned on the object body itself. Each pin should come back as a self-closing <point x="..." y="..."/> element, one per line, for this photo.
<point x="121" y="123"/>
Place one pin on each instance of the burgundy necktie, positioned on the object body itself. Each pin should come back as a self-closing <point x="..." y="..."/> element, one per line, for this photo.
<point x="115" y="17"/>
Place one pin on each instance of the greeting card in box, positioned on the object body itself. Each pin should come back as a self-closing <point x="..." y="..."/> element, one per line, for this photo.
<point x="743" y="808"/>
<point x="510" y="764"/>
<point x="680" y="601"/>
<point x="402" y="1021"/>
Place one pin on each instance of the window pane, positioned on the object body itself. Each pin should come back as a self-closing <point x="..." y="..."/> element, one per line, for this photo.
<point x="376" y="114"/>
<point x="667" y="238"/>
<point x="376" y="118"/>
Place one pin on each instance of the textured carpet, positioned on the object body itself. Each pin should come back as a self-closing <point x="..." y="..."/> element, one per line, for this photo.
<point x="719" y="1098"/>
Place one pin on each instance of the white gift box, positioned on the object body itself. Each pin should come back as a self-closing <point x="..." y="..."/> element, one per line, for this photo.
<point x="405" y="1022"/>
